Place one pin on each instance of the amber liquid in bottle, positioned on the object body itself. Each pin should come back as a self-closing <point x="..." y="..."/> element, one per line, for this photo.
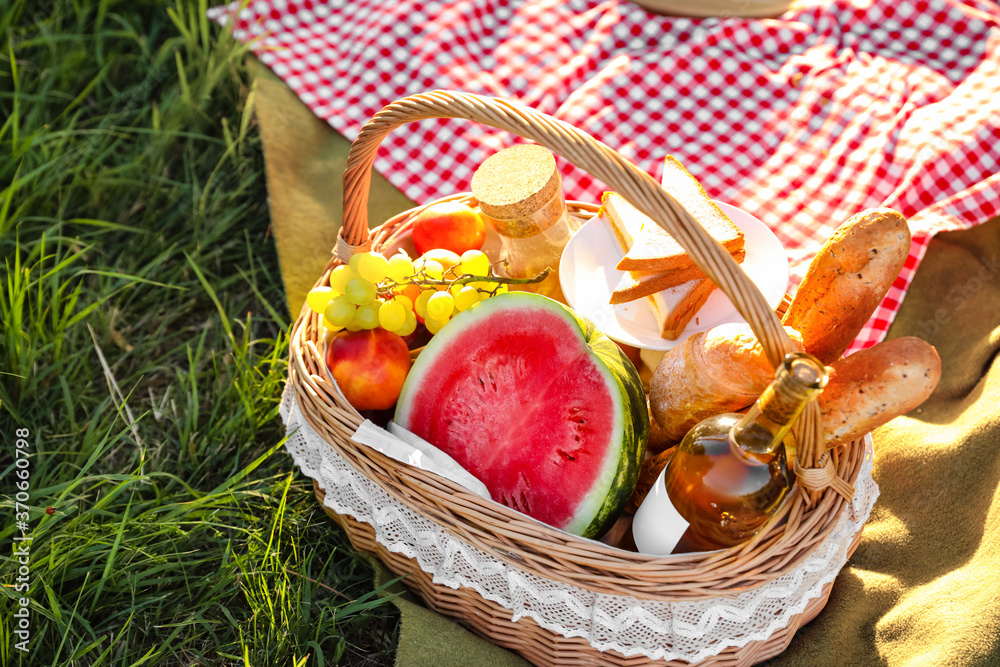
<point x="729" y="474"/>
<point x="726" y="493"/>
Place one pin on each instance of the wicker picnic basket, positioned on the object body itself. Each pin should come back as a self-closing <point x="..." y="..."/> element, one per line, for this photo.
<point x="523" y="556"/>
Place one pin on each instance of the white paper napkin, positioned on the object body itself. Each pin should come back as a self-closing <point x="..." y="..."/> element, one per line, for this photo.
<point x="407" y="447"/>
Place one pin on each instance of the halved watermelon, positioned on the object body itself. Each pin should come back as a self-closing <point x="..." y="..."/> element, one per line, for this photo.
<point x="537" y="403"/>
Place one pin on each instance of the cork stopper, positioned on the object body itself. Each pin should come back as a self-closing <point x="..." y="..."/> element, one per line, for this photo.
<point x="516" y="182"/>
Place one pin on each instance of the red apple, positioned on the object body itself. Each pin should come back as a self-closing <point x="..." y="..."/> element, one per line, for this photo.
<point x="450" y="225"/>
<point x="369" y="367"/>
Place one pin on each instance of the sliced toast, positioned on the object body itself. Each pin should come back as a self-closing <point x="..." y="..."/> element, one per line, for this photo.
<point x="637" y="284"/>
<point x="672" y="308"/>
<point x="654" y="249"/>
<point x="677" y="305"/>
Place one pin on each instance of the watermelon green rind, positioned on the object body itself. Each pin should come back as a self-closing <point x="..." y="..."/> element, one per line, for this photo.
<point x="602" y="502"/>
<point x="616" y="483"/>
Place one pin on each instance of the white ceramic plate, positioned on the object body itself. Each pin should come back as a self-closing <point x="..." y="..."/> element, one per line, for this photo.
<point x="588" y="276"/>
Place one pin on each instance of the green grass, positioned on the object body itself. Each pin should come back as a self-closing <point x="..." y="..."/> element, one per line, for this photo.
<point x="144" y="351"/>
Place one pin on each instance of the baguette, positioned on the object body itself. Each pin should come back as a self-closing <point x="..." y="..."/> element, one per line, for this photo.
<point x="866" y="390"/>
<point x="724" y="370"/>
<point x="872" y="386"/>
<point x="847" y="280"/>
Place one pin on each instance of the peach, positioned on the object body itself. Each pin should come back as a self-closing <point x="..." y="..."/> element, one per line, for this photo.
<point x="449" y="225"/>
<point x="369" y="366"/>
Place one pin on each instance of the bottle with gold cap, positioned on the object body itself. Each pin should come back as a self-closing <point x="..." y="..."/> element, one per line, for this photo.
<point x="519" y="191"/>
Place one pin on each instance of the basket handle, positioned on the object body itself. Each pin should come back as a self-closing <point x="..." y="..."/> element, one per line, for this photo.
<point x="608" y="166"/>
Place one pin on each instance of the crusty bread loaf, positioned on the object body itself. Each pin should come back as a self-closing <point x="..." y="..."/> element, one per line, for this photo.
<point x="725" y="370"/>
<point x="872" y="386"/>
<point x="657" y="441"/>
<point x="847" y="280"/>
<point x="721" y="370"/>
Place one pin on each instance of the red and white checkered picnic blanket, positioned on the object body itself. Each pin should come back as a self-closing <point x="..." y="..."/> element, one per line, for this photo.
<point x="801" y="120"/>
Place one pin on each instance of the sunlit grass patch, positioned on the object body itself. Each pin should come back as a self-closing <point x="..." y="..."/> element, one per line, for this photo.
<point x="144" y="350"/>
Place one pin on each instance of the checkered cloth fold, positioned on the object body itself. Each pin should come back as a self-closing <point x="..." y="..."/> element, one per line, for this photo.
<point x="801" y="120"/>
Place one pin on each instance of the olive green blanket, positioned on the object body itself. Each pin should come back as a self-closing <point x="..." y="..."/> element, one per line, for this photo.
<point x="922" y="587"/>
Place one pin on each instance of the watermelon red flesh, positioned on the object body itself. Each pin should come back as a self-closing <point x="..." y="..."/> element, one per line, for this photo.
<point x="520" y="399"/>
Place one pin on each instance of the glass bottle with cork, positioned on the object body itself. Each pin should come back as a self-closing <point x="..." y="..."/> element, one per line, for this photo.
<point x="728" y="475"/>
<point x="520" y="195"/>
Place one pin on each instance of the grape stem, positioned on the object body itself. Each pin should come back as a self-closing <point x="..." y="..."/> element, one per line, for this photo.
<point x="421" y="279"/>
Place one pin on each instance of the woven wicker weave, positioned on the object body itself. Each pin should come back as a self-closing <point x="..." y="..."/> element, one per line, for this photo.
<point x="807" y="518"/>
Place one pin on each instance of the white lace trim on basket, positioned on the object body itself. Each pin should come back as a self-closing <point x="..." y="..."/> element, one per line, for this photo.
<point x="689" y="631"/>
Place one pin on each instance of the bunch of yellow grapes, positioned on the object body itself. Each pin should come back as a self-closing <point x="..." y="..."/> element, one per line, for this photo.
<point x="372" y="291"/>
